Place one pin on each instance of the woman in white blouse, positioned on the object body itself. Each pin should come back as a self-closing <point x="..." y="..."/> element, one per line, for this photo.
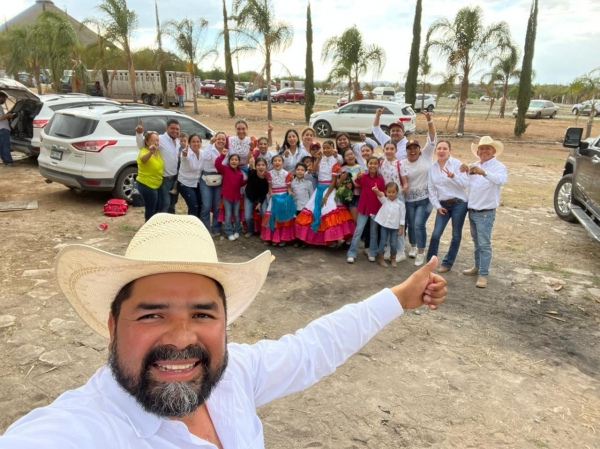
<point x="210" y="182"/>
<point x="448" y="194"/>
<point x="189" y="175"/>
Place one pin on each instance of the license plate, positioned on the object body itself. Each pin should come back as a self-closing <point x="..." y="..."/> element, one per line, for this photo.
<point x="54" y="154"/>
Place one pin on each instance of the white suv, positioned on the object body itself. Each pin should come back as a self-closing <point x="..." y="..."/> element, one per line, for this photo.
<point x="94" y="148"/>
<point x="358" y="116"/>
<point x="426" y="102"/>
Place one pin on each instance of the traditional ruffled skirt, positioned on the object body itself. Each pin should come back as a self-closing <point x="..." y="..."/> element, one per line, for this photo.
<point x="318" y="225"/>
<point x="278" y="222"/>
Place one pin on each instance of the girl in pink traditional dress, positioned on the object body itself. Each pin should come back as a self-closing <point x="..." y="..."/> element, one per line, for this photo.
<point x="278" y="222"/>
<point x="323" y="221"/>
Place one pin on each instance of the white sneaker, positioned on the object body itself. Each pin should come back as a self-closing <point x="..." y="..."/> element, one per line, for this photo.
<point x="350" y="260"/>
<point x="231" y="237"/>
<point x="236" y="236"/>
<point x="420" y="260"/>
<point x="400" y="256"/>
<point x="413" y="252"/>
<point x="367" y="252"/>
<point x="371" y="259"/>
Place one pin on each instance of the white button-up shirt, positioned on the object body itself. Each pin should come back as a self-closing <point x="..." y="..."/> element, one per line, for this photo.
<point x="102" y="415"/>
<point x="484" y="191"/>
<point x="168" y="149"/>
<point x="289" y="162"/>
<point x="391" y="214"/>
<point x="382" y="138"/>
<point x="4" y="123"/>
<point x="208" y="156"/>
<point x="189" y="169"/>
<point x="441" y="187"/>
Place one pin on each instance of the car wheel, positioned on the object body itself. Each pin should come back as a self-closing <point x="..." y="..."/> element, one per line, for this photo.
<point x="301" y="101"/>
<point x="575" y="111"/>
<point x="538" y="115"/>
<point x="323" y="129"/>
<point x="207" y="95"/>
<point x="146" y="99"/>
<point x="553" y="114"/>
<point x="562" y="199"/>
<point x="217" y="97"/>
<point x="281" y="99"/>
<point x="256" y="99"/>
<point x="125" y="184"/>
<point x="430" y="108"/>
<point x="385" y="130"/>
<point x="154" y="100"/>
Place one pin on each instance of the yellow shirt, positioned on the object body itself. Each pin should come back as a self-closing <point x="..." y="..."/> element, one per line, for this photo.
<point x="150" y="173"/>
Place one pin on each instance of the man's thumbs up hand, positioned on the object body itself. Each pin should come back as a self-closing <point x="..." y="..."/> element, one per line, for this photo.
<point x="422" y="287"/>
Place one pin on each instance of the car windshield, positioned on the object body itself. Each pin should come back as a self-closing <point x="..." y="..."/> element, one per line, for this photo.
<point x="536" y="104"/>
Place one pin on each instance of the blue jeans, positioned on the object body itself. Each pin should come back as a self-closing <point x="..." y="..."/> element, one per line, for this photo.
<point x="481" y="231"/>
<point x="417" y="213"/>
<point x="457" y="212"/>
<point x="210" y="200"/>
<point x="150" y="196"/>
<point x="180" y="100"/>
<point x="5" y="146"/>
<point x="165" y="204"/>
<point x="388" y="235"/>
<point x="191" y="195"/>
<point x="249" y="209"/>
<point x="361" y="221"/>
<point x="232" y="207"/>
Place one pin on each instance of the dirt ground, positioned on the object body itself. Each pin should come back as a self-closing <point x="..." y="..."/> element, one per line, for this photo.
<point x="515" y="365"/>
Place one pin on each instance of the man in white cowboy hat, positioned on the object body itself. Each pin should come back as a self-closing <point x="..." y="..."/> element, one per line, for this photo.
<point x="486" y="177"/>
<point x="171" y="380"/>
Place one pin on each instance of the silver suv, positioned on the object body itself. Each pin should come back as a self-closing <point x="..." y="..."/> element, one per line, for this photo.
<point x="94" y="148"/>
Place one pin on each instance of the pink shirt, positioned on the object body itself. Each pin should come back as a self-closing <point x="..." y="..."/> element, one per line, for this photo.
<point x="368" y="203"/>
<point x="233" y="180"/>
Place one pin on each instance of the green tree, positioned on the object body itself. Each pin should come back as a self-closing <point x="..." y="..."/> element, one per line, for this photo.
<point x="229" y="81"/>
<point x="309" y="82"/>
<point x="189" y="36"/>
<point x="257" y="22"/>
<point x="466" y="43"/>
<point x="504" y="71"/>
<point x="161" y="59"/>
<point x="352" y="58"/>
<point x="589" y="88"/>
<point x="119" y="23"/>
<point x="410" y="88"/>
<point x="524" y="95"/>
<point x="24" y="50"/>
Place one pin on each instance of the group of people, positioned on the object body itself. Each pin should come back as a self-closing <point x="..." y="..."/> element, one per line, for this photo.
<point x="334" y="193"/>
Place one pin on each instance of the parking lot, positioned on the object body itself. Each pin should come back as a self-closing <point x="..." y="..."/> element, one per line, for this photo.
<point x="514" y="365"/>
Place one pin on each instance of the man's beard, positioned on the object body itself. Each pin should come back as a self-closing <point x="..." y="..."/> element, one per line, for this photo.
<point x="169" y="399"/>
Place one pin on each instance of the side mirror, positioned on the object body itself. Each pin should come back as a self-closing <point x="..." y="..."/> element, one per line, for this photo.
<point x="572" y="137"/>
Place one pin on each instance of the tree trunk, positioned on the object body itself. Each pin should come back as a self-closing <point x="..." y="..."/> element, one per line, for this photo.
<point x="309" y="86"/>
<point x="229" y="81"/>
<point x="464" y="96"/>
<point x="588" y="126"/>
<point x="192" y="74"/>
<point x="524" y="94"/>
<point x="131" y="74"/>
<point x="268" y="72"/>
<point x="492" y="100"/>
<point x="503" y="102"/>
<point x="163" y="82"/>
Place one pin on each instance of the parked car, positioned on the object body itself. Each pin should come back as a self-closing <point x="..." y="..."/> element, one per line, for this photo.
<point x="452" y="96"/>
<point x="398" y="97"/>
<point x="33" y="113"/>
<point x="288" y="94"/>
<point x="539" y="109"/>
<point x="258" y="95"/>
<point x="358" y="116"/>
<point x="425" y="101"/>
<point x="585" y="107"/>
<point x="218" y="90"/>
<point x="577" y="194"/>
<point x="94" y="148"/>
<point x="484" y="98"/>
<point x="383" y="93"/>
<point x="342" y="101"/>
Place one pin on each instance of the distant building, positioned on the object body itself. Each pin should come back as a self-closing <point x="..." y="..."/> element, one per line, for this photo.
<point x="30" y="15"/>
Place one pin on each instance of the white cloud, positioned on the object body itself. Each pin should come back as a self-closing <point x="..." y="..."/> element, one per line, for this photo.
<point x="567" y="31"/>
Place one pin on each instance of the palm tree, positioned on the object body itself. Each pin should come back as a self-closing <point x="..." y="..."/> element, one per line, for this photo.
<point x="119" y="23"/>
<point x="256" y="21"/>
<point x="58" y="44"/>
<point x="467" y="43"/>
<point x="504" y="71"/>
<point x="189" y="36"/>
<point x="351" y="57"/>
<point x="24" y="50"/>
<point x="589" y="87"/>
<point x="102" y="56"/>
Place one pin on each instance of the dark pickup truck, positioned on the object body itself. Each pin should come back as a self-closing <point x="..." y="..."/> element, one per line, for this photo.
<point x="577" y="195"/>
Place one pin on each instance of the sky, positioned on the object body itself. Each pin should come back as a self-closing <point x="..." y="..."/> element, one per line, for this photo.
<point x="567" y="44"/>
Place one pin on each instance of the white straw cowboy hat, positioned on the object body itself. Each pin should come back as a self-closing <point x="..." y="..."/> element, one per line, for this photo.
<point x="487" y="140"/>
<point x="91" y="278"/>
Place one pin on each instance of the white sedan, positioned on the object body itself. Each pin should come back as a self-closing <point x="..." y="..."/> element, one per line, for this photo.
<point x="358" y="116"/>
